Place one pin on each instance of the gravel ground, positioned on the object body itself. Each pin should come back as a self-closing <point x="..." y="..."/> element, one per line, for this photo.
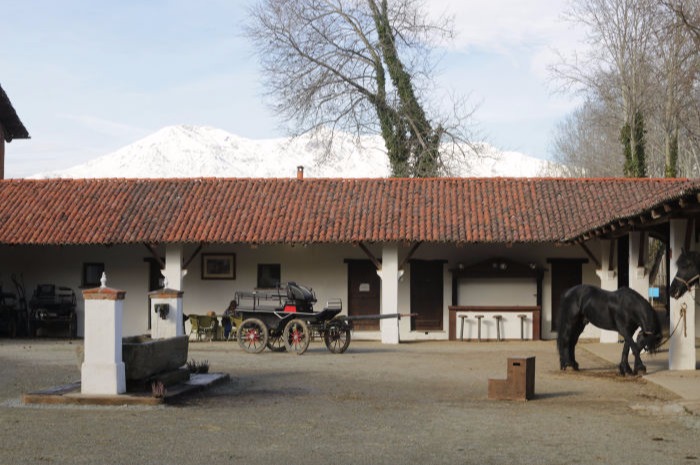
<point x="376" y="404"/>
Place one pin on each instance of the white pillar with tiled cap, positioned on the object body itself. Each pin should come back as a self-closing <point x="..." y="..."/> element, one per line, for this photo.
<point x="608" y="281"/>
<point x="681" y="348"/>
<point x="166" y="313"/>
<point x="103" y="371"/>
<point x="389" y="275"/>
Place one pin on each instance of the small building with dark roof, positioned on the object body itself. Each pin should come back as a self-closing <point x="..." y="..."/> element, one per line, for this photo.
<point x="10" y="127"/>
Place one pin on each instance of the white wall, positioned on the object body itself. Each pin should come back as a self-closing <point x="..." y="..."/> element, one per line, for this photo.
<point x="520" y="292"/>
<point x="63" y="266"/>
<point x="319" y="266"/>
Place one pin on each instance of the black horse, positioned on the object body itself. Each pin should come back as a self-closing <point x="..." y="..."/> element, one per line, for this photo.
<point x="623" y="310"/>
<point x="688" y="274"/>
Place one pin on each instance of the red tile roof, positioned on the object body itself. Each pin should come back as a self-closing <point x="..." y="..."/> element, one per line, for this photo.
<point x="454" y="210"/>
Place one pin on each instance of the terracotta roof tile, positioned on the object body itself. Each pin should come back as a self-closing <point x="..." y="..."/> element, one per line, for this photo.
<point x="455" y="210"/>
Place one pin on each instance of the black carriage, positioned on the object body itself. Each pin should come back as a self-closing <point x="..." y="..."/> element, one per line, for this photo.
<point x="284" y="319"/>
<point x="53" y="307"/>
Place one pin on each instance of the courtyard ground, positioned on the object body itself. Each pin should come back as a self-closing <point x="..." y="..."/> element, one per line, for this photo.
<point x="376" y="404"/>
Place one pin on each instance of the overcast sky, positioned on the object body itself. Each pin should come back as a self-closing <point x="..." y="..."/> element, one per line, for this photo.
<point x="89" y="77"/>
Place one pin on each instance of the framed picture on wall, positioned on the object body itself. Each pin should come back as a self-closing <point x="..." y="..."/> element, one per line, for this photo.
<point x="218" y="266"/>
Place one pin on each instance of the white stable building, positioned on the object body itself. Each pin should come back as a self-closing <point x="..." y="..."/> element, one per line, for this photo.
<point x="447" y="249"/>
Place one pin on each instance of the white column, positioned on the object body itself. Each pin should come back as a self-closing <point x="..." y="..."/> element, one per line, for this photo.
<point x="608" y="281"/>
<point x="389" y="274"/>
<point x="103" y="370"/>
<point x="173" y="272"/>
<point x="639" y="280"/>
<point x="170" y="324"/>
<point x="681" y="350"/>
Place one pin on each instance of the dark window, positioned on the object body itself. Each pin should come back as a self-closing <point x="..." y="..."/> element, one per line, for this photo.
<point x="92" y="273"/>
<point x="268" y="275"/>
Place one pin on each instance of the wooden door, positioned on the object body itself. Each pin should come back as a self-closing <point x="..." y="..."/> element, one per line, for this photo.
<point x="427" y="295"/>
<point x="566" y="273"/>
<point x="363" y="293"/>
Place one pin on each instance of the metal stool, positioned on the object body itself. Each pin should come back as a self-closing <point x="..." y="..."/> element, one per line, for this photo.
<point x="463" y="317"/>
<point x="479" y="317"/>
<point x="498" y="326"/>
<point x="522" y="326"/>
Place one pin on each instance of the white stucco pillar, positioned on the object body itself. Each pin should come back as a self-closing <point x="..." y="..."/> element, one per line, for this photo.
<point x="639" y="280"/>
<point x="166" y="323"/>
<point x="102" y="371"/>
<point x="173" y="272"/>
<point x="608" y="281"/>
<point x="389" y="274"/>
<point x="681" y="350"/>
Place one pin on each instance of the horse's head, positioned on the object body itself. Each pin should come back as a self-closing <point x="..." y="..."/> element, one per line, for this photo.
<point x="649" y="341"/>
<point x="651" y="332"/>
<point x="687" y="275"/>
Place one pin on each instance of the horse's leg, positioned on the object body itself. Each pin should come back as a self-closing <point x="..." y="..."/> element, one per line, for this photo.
<point x="624" y="363"/>
<point x="575" y="334"/>
<point x="567" y="337"/>
<point x="638" y="365"/>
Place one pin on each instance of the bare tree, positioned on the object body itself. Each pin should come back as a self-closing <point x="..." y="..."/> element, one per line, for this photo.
<point x="586" y="143"/>
<point x="360" y="66"/>
<point x="615" y="69"/>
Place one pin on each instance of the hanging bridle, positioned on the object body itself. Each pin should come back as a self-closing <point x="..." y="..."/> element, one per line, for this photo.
<point x="689" y="283"/>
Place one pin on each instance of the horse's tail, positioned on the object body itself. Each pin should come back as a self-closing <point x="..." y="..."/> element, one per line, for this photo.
<point x="568" y="307"/>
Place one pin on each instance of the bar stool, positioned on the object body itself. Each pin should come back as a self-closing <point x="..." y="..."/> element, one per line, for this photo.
<point x="498" y="326"/>
<point x="479" y="317"/>
<point x="461" y="335"/>
<point x="522" y="326"/>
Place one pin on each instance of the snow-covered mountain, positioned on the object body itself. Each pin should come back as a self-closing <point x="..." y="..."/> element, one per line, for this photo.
<point x="197" y="151"/>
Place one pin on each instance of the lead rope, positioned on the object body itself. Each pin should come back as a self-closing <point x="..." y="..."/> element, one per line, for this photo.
<point x="684" y="307"/>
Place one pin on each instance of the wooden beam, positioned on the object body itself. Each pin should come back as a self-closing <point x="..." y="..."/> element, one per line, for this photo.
<point x="611" y="256"/>
<point x="194" y="254"/>
<point x="412" y="251"/>
<point x="688" y="232"/>
<point x="377" y="264"/>
<point x="593" y="258"/>
<point x="640" y="256"/>
<point x="156" y="256"/>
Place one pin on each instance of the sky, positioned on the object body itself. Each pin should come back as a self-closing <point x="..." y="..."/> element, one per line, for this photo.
<point x="88" y="77"/>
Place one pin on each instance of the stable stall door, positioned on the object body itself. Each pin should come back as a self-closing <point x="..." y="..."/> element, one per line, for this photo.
<point x="427" y="295"/>
<point x="363" y="293"/>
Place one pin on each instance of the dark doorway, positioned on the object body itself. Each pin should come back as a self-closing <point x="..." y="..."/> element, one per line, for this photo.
<point x="623" y="262"/>
<point x="566" y="273"/>
<point x="427" y="294"/>
<point x="155" y="281"/>
<point x="364" y="290"/>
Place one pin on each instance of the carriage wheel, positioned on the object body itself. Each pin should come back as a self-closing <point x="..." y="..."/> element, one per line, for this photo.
<point x="252" y="336"/>
<point x="337" y="337"/>
<point x="276" y="341"/>
<point x="297" y="336"/>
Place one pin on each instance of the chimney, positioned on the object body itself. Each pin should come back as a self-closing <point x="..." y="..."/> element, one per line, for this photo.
<point x="300" y="172"/>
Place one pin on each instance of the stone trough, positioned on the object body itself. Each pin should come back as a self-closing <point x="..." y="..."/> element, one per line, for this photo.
<point x="144" y="357"/>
